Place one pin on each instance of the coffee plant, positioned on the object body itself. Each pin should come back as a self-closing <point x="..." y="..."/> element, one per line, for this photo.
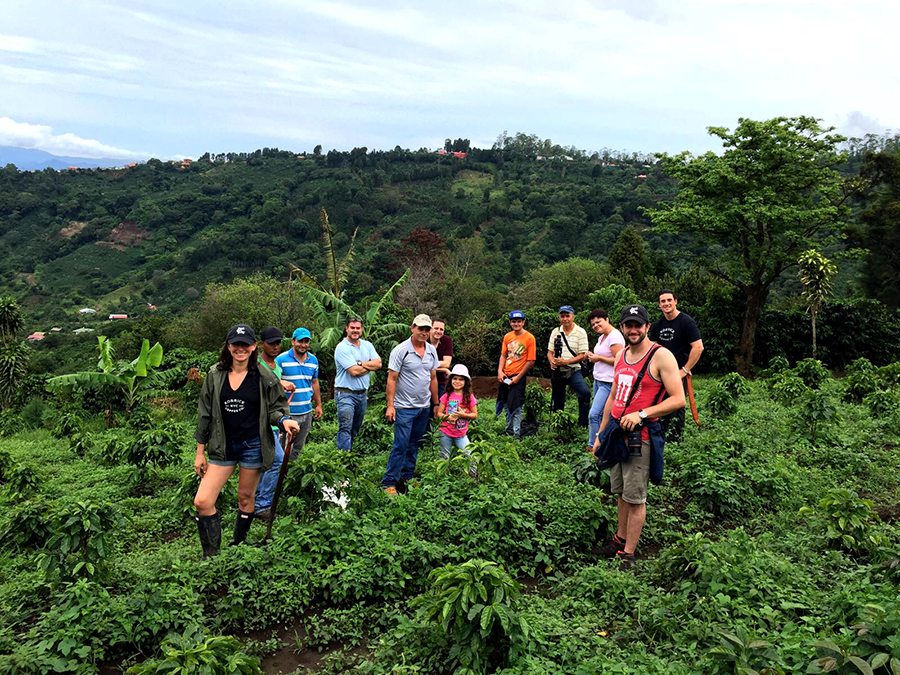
<point x="195" y="651"/>
<point x="786" y="388"/>
<point x="563" y="425"/>
<point x="816" y="413"/>
<point x="849" y="521"/>
<point x="475" y="604"/>
<point x="723" y="400"/>
<point x="812" y="372"/>
<point x="882" y="403"/>
<point x="79" y="543"/>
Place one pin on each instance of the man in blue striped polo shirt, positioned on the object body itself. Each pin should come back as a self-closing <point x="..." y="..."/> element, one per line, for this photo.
<point x="301" y="369"/>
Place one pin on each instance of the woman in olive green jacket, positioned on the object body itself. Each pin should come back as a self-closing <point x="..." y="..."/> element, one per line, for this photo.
<point x="239" y="403"/>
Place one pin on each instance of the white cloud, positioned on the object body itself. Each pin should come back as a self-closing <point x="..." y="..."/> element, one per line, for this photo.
<point x="41" y="137"/>
<point x="16" y="43"/>
<point x="857" y="123"/>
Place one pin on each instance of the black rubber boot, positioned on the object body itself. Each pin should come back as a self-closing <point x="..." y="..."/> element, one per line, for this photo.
<point x="210" y="528"/>
<point x="241" y="527"/>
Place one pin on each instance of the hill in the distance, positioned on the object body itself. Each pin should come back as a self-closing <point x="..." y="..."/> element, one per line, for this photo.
<point x="26" y="159"/>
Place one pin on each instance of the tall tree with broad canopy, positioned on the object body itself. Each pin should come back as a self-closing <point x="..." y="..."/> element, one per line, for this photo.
<point x="878" y="229"/>
<point x="771" y="194"/>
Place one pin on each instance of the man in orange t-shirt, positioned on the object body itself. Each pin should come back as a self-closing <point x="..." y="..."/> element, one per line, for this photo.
<point x="516" y="359"/>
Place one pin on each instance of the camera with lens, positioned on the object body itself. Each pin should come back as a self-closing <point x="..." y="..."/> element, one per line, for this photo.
<point x="634" y="441"/>
<point x="557" y="373"/>
<point x="557" y="347"/>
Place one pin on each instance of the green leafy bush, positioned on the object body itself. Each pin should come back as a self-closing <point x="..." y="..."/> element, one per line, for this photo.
<point x="585" y="471"/>
<point x="563" y="425"/>
<point x="890" y="374"/>
<point x="28" y="525"/>
<point x="181" y="505"/>
<point x="748" y="653"/>
<point x="815" y="413"/>
<point x="537" y="401"/>
<point x="10" y="422"/>
<point x="475" y="604"/>
<point x="314" y="468"/>
<point x="68" y="422"/>
<point x="157" y="446"/>
<point x="876" y="636"/>
<point x="812" y="372"/>
<point x="777" y="364"/>
<point x="727" y="476"/>
<point x="786" y="388"/>
<point x="195" y="651"/>
<point x="20" y="481"/>
<point x="376" y="433"/>
<point x="849" y="521"/>
<point x="490" y="458"/>
<point x="882" y="403"/>
<point x="33" y="413"/>
<point x="78" y="545"/>
<point x="722" y="402"/>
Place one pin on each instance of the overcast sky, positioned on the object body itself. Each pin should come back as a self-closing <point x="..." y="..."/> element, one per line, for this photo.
<point x="167" y="79"/>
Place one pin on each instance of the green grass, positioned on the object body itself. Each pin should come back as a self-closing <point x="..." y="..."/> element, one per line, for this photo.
<point x="724" y="549"/>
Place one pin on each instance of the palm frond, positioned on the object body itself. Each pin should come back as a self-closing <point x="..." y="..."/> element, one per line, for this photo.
<point x="375" y="310"/>
<point x="330" y="255"/>
<point x="344" y="268"/>
<point x="324" y="306"/>
<point x="67" y="383"/>
<point x="305" y="277"/>
<point x="107" y="354"/>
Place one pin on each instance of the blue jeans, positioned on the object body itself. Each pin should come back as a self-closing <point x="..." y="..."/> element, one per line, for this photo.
<point x="514" y="421"/>
<point x="351" y="409"/>
<point x="447" y="443"/>
<point x="267" y="482"/>
<point x="558" y="394"/>
<point x="410" y="426"/>
<point x="246" y="453"/>
<point x="601" y="393"/>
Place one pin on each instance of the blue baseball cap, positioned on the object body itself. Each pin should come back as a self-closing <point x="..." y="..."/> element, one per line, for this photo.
<point x="517" y="314"/>
<point x="567" y="308"/>
<point x="301" y="334"/>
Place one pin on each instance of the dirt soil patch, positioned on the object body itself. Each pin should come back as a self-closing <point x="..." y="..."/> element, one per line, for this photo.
<point x="889" y="514"/>
<point x="126" y="234"/>
<point x="73" y="228"/>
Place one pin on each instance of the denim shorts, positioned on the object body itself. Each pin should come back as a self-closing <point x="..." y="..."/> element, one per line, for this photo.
<point x="246" y="453"/>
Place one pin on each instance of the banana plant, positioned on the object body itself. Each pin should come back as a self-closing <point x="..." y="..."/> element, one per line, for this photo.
<point x="327" y="302"/>
<point x="113" y="376"/>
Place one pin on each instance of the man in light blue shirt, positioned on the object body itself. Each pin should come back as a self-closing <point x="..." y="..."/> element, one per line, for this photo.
<point x="354" y="359"/>
<point x="411" y="393"/>
<point x="300" y="368"/>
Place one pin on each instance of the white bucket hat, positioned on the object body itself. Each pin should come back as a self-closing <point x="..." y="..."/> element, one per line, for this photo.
<point x="461" y="370"/>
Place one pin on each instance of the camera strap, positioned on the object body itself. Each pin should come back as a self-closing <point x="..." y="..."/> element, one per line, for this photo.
<point x="640" y="377"/>
<point x="562" y="333"/>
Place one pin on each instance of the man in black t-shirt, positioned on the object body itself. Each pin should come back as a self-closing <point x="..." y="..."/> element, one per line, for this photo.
<point x="677" y="332"/>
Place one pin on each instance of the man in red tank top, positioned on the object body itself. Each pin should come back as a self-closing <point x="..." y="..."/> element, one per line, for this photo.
<point x="635" y="399"/>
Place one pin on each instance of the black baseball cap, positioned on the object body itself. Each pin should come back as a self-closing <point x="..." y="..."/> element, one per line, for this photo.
<point x="241" y="334"/>
<point x="271" y="334"/>
<point x="634" y="313"/>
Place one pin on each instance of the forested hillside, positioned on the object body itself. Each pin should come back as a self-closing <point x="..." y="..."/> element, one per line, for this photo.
<point x="525" y="223"/>
<point x="115" y="239"/>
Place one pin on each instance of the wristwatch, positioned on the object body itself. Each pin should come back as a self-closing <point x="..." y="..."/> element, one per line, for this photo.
<point x="642" y="414"/>
<point x="359" y="363"/>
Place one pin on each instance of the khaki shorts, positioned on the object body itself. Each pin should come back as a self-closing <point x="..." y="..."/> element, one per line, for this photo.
<point x="631" y="477"/>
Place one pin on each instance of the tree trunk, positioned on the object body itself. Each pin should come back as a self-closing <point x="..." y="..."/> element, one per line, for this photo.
<point x="813" y="312"/>
<point x="756" y="300"/>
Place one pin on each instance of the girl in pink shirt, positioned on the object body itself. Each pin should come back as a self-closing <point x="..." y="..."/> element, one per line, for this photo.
<point x="457" y="407"/>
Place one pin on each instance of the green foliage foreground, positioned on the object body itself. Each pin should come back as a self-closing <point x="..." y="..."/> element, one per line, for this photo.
<point x="771" y="547"/>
